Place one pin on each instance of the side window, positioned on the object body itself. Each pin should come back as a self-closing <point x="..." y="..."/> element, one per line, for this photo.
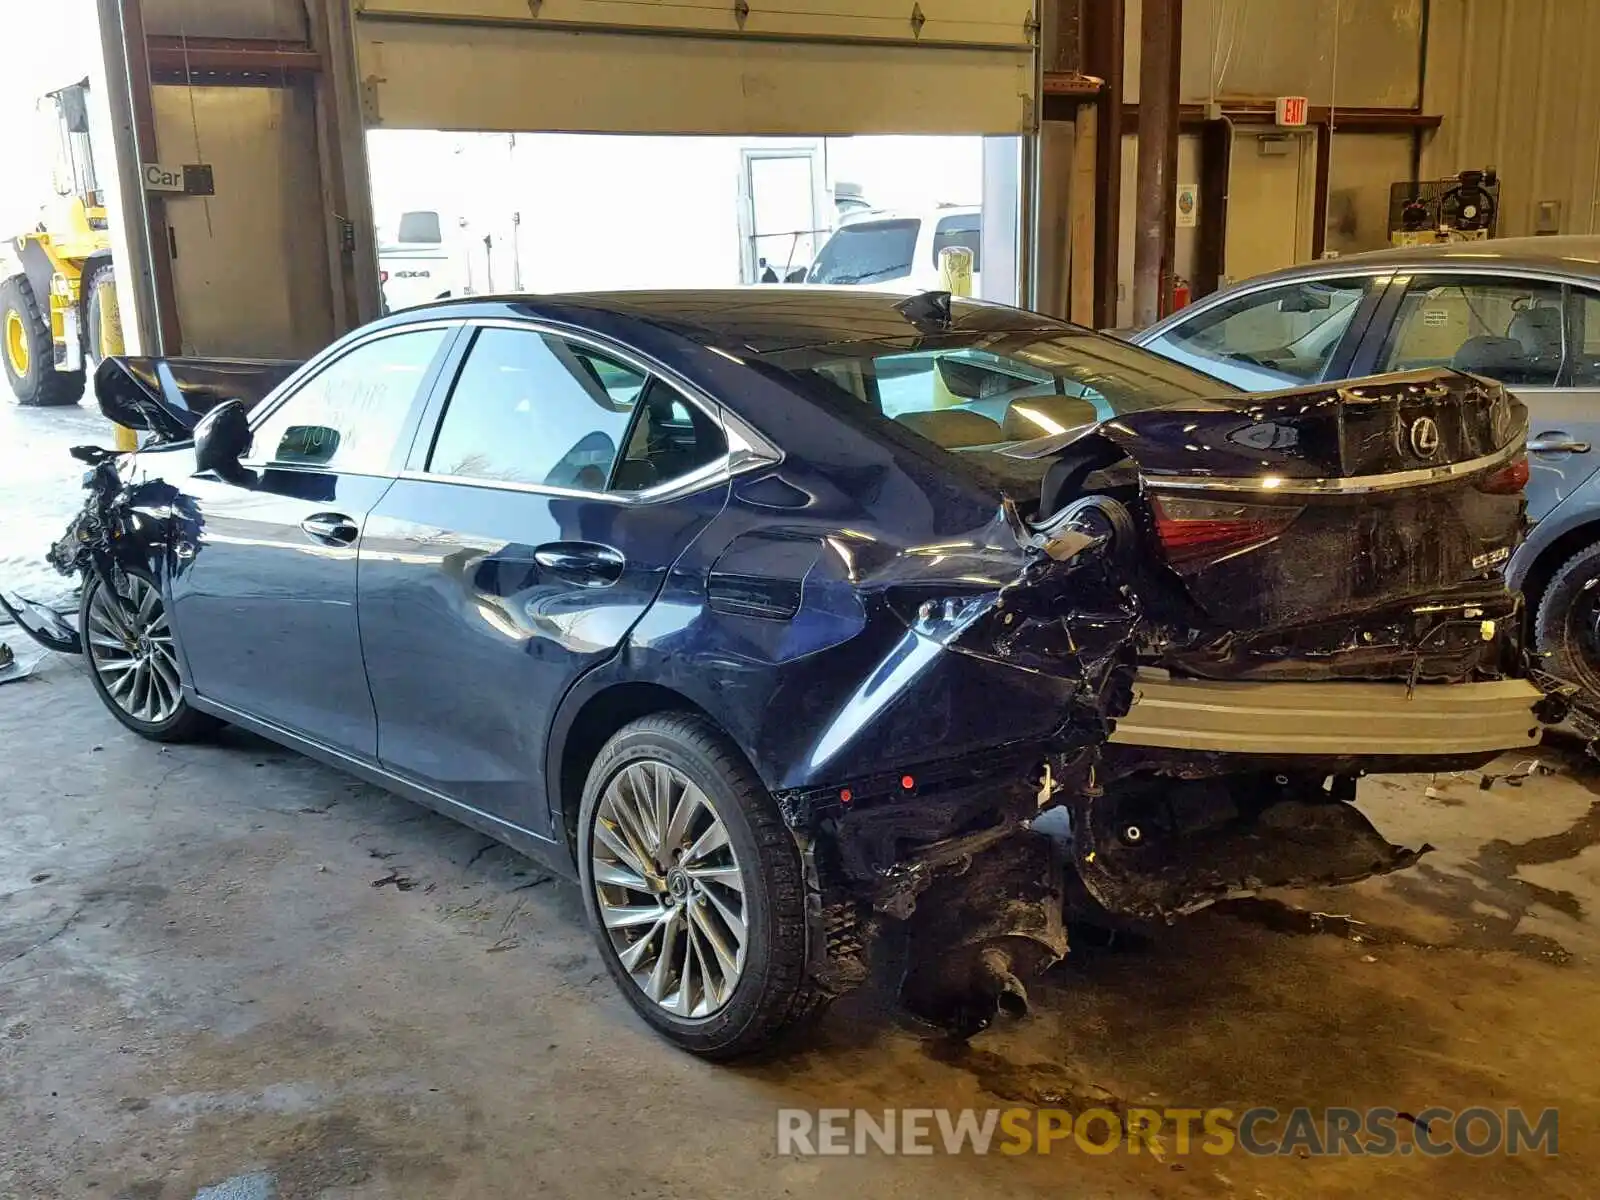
<point x="1586" y="340"/>
<point x="532" y="408"/>
<point x="670" y="439"/>
<point x="348" y="416"/>
<point x="964" y="231"/>
<point x="1506" y="329"/>
<point x="1290" y="332"/>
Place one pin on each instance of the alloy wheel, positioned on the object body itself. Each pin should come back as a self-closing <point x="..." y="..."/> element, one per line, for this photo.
<point x="669" y="889"/>
<point x="130" y="648"/>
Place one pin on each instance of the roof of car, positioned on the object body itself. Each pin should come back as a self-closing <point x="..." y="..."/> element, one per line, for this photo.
<point x="758" y="319"/>
<point x="1577" y="254"/>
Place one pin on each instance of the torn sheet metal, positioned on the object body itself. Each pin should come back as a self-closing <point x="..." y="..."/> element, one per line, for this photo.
<point x="939" y="840"/>
<point x="44" y="625"/>
<point x="1173" y="855"/>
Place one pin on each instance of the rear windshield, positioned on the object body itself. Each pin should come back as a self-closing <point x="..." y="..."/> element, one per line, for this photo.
<point x="996" y="391"/>
<point x="867" y="252"/>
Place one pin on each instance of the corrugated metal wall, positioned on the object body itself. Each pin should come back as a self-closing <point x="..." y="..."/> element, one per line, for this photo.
<point x="1518" y="85"/>
<point x="1349" y="52"/>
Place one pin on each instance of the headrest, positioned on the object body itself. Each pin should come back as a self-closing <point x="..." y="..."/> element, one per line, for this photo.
<point x="1538" y="330"/>
<point x="1030" y="417"/>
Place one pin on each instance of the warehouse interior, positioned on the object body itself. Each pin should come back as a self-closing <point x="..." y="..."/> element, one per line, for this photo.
<point x="230" y="970"/>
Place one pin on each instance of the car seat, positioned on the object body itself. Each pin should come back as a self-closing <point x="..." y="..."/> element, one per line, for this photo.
<point x="1500" y="358"/>
<point x="1539" y="332"/>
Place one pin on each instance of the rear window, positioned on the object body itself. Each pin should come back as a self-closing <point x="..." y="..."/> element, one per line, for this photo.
<point x="867" y="252"/>
<point x="998" y="390"/>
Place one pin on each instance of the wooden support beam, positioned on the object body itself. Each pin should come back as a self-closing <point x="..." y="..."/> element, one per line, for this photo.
<point x="1103" y="28"/>
<point x="1160" y="35"/>
<point x="224" y="56"/>
<point x="168" y="330"/>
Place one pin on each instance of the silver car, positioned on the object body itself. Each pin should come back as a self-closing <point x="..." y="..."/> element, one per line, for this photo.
<point x="1525" y="311"/>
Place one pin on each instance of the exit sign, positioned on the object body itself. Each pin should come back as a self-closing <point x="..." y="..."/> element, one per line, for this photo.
<point x="1292" y="110"/>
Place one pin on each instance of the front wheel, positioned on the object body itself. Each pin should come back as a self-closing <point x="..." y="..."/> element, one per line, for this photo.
<point x="128" y="645"/>
<point x="28" y="352"/>
<point x="694" y="888"/>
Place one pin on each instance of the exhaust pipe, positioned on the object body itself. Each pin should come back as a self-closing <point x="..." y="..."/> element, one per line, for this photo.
<point x="996" y="980"/>
<point x="975" y="935"/>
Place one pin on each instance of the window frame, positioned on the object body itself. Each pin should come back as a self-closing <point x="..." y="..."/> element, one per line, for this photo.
<point x="1423" y="278"/>
<point x="314" y="368"/>
<point x="1577" y="295"/>
<point x="747" y="450"/>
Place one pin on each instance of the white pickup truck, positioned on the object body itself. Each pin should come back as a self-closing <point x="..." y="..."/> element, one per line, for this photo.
<point x="417" y="265"/>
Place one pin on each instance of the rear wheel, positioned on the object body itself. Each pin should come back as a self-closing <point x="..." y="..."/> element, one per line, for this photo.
<point x="132" y="661"/>
<point x="694" y="888"/>
<point x="1567" y="628"/>
<point x="29" y="353"/>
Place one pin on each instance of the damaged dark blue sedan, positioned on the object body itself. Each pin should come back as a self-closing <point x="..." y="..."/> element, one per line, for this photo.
<point x="778" y="616"/>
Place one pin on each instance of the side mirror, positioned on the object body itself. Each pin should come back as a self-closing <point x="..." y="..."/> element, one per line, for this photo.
<point x="222" y="438"/>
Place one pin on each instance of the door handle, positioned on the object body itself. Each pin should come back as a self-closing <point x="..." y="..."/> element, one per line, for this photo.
<point x="587" y="564"/>
<point x="1552" y="443"/>
<point x="332" y="529"/>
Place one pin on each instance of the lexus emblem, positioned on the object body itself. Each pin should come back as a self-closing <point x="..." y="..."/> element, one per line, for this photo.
<point x="1424" y="437"/>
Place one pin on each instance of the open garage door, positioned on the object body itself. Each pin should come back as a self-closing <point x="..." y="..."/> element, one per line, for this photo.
<point x="699" y="66"/>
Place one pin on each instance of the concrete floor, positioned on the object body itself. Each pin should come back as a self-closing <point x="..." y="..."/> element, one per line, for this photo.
<point x="40" y="489"/>
<point x="227" y="965"/>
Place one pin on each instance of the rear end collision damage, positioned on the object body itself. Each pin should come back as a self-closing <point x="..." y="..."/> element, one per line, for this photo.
<point x="986" y="780"/>
<point x="1327" y="579"/>
<point x="941" y="852"/>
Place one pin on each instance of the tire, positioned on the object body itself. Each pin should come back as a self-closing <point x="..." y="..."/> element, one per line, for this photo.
<point x="94" y="318"/>
<point x="1567" y="628"/>
<point x="144" y="630"/>
<point x="770" y="992"/>
<point x="34" y="380"/>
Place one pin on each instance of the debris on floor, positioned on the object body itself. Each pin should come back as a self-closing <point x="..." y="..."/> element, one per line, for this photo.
<point x="258" y="1186"/>
<point x="15" y="666"/>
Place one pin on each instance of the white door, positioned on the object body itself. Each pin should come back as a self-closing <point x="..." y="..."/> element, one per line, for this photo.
<point x="261" y="144"/>
<point x="1271" y="201"/>
<point x="781" y="213"/>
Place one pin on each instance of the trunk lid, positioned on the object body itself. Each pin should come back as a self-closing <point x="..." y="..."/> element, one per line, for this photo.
<point x="168" y="396"/>
<point x="1322" y="501"/>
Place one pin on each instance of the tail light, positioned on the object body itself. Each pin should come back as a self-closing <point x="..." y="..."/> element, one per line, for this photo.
<point x="383" y="277"/>
<point x="1508" y="480"/>
<point x="1207" y="531"/>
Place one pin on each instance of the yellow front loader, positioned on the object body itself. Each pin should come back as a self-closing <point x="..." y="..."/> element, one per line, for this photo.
<point x="58" y="302"/>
